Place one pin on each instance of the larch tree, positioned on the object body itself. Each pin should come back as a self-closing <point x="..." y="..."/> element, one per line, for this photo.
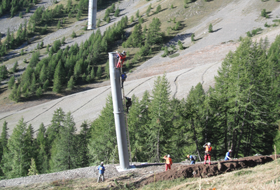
<point x="65" y="157"/>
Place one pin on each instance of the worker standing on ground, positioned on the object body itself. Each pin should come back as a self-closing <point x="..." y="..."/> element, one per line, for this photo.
<point x="101" y="169"/>
<point x="123" y="78"/>
<point x="192" y="158"/>
<point x="122" y="58"/>
<point x="168" y="162"/>
<point x="227" y="157"/>
<point x="208" y="150"/>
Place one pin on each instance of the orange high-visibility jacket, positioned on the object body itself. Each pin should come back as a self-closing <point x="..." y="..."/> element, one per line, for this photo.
<point x="208" y="148"/>
<point x="168" y="160"/>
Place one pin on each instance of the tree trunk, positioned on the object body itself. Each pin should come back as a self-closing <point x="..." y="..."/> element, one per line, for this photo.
<point x="234" y="137"/>
<point x="158" y="158"/>
<point x="196" y="142"/>
<point x="251" y="140"/>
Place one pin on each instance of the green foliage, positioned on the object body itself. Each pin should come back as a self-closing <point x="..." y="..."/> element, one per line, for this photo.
<point x="181" y="47"/>
<point x="172" y="7"/>
<point x="264" y="13"/>
<point x="136" y="37"/>
<point x="3" y="72"/>
<point x="158" y="9"/>
<point x="65" y="156"/>
<point x="99" y="72"/>
<point x="58" y="25"/>
<point x="103" y="143"/>
<point x="11" y="82"/>
<point x="266" y="25"/>
<point x="39" y="92"/>
<point x="149" y="10"/>
<point x="70" y="84"/>
<point x="108" y="19"/>
<point x="16" y="158"/>
<point x="33" y="170"/>
<point x="117" y="12"/>
<point x="73" y="35"/>
<point x="210" y="28"/>
<point x="154" y="35"/>
<point x="192" y="37"/>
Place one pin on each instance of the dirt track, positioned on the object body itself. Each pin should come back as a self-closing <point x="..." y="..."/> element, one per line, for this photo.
<point x="201" y="170"/>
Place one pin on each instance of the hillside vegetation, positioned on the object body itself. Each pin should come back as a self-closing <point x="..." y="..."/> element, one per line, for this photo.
<point x="240" y="112"/>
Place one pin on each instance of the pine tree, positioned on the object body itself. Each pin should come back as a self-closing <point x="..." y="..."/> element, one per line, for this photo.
<point x="65" y="157"/>
<point x="103" y="142"/>
<point x="11" y="82"/>
<point x="33" y="170"/>
<point x="3" y="148"/>
<point x="210" y="28"/>
<point x="16" y="162"/>
<point x="70" y="84"/>
<point x="58" y="78"/>
<point x="56" y="123"/>
<point x="82" y="149"/>
<point x="153" y="35"/>
<point x="99" y="72"/>
<point x="160" y="118"/>
<point x="15" y="67"/>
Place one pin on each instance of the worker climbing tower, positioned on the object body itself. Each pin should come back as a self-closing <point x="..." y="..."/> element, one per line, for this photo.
<point x="92" y="10"/>
<point x="118" y="111"/>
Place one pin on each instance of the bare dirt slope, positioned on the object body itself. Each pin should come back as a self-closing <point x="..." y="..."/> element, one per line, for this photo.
<point x="198" y="63"/>
<point x="141" y="175"/>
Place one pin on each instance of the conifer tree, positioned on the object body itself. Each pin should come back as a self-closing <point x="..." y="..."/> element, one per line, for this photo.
<point x="58" y="78"/>
<point x="153" y="35"/>
<point x="82" y="149"/>
<point x="65" y="157"/>
<point x="56" y="123"/>
<point x="33" y="170"/>
<point x="3" y="148"/>
<point x="103" y="142"/>
<point x="11" y="82"/>
<point x="16" y="162"/>
<point x="99" y="72"/>
<point x="70" y="84"/>
<point x="159" y="118"/>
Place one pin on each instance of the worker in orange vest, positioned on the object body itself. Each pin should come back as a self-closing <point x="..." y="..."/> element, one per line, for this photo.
<point x="208" y="150"/>
<point x="122" y="58"/>
<point x="168" y="162"/>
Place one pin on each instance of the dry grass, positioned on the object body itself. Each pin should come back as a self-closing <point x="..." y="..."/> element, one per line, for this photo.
<point x="265" y="176"/>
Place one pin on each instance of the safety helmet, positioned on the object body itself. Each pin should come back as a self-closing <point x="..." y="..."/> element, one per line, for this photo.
<point x="124" y="72"/>
<point x="230" y="150"/>
<point x="209" y="144"/>
<point x="168" y="155"/>
<point x="101" y="163"/>
<point x="123" y="51"/>
<point x="117" y="52"/>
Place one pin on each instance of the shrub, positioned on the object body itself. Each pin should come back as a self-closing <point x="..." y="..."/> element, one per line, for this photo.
<point x="158" y="9"/>
<point x="192" y="37"/>
<point x="210" y="28"/>
<point x="73" y="35"/>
